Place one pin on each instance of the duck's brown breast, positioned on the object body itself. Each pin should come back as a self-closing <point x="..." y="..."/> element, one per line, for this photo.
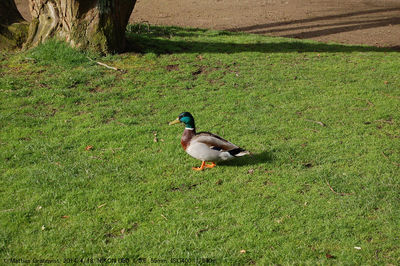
<point x="187" y="136"/>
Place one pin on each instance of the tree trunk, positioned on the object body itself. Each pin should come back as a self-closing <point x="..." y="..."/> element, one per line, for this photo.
<point x="97" y="25"/>
<point x="13" y="28"/>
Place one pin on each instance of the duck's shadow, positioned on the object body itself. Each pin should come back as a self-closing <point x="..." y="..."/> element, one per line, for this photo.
<point x="258" y="158"/>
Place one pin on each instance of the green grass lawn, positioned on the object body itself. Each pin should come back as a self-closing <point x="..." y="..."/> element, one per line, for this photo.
<point x="90" y="168"/>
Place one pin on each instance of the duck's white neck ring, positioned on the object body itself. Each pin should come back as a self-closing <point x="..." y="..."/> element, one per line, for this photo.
<point x="188" y="128"/>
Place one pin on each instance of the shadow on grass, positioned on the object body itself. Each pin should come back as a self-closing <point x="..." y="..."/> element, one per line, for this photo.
<point x="159" y="40"/>
<point x="259" y="158"/>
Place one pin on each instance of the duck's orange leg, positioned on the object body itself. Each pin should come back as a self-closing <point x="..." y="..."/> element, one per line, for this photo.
<point x="201" y="168"/>
<point x="210" y="165"/>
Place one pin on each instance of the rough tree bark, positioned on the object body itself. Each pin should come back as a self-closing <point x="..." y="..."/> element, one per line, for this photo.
<point x="97" y="25"/>
<point x="13" y="28"/>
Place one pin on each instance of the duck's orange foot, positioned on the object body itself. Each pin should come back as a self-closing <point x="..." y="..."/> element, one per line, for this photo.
<point x="201" y="168"/>
<point x="204" y="165"/>
<point x="210" y="165"/>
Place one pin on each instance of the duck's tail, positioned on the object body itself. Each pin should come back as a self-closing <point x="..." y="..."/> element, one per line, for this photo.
<point x="238" y="152"/>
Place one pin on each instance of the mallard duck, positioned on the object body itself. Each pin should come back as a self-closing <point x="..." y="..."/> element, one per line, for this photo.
<point x="205" y="146"/>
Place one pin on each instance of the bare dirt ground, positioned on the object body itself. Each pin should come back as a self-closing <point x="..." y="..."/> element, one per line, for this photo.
<point x="371" y="22"/>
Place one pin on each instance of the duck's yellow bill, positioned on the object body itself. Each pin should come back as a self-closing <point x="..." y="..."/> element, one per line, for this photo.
<point x="176" y="121"/>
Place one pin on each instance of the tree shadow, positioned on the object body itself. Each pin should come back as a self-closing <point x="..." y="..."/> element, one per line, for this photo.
<point x="145" y="38"/>
<point x="315" y="19"/>
<point x="341" y="27"/>
<point x="254" y="159"/>
<point x="152" y="43"/>
<point x="322" y="26"/>
<point x="361" y="25"/>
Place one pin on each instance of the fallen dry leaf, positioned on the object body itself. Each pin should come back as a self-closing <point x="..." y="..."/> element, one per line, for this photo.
<point x="89" y="147"/>
<point x="329" y="256"/>
<point x="65" y="216"/>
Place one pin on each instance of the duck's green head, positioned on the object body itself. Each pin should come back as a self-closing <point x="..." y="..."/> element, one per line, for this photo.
<point x="185" y="118"/>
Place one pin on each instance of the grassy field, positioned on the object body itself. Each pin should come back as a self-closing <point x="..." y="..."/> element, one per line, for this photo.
<point x="91" y="170"/>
